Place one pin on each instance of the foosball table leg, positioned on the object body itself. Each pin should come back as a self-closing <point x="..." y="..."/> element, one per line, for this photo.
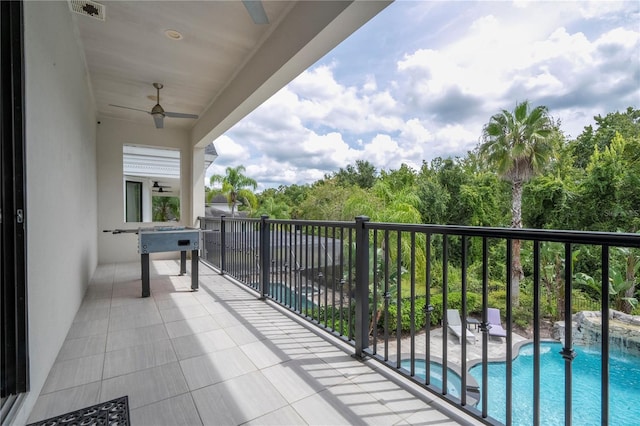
<point x="183" y="262"/>
<point x="194" y="270"/>
<point x="144" y="261"/>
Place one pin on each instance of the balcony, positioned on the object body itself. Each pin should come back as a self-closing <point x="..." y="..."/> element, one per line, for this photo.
<point x="278" y="333"/>
<point x="216" y="356"/>
<point x="384" y="289"/>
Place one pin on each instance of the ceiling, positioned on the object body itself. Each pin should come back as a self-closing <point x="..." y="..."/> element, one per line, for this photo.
<point x="224" y="66"/>
<point x="129" y="51"/>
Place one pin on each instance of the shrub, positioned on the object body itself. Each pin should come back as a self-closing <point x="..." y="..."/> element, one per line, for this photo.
<point x="454" y="301"/>
<point x="405" y="313"/>
<point x="522" y="315"/>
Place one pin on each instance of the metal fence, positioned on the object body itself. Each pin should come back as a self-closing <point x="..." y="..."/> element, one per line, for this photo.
<point x="379" y="286"/>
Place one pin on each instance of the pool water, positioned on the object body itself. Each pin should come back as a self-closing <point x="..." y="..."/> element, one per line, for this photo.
<point x="454" y="382"/>
<point x="288" y="296"/>
<point x="624" y="387"/>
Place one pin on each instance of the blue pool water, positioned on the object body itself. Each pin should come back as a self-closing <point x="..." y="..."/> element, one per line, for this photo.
<point x="454" y="382"/>
<point x="288" y="297"/>
<point x="624" y="387"/>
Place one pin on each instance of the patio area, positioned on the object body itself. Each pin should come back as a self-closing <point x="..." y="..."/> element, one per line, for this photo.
<point x="496" y="348"/>
<point x="217" y="356"/>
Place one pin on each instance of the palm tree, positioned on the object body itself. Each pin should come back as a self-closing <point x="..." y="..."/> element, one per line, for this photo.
<point x="518" y="145"/>
<point x="165" y="208"/>
<point x="234" y="186"/>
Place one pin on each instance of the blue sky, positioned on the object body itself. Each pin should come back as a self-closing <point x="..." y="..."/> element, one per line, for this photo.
<point x="421" y="79"/>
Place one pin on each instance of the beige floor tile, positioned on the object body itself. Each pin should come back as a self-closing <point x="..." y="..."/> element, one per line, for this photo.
<point x="91" y="313"/>
<point x="237" y="400"/>
<point x="136" y="336"/>
<point x="82" y="347"/>
<point x="88" y="328"/>
<point x="200" y="344"/>
<point x="138" y="306"/>
<point x="243" y="334"/>
<point x="63" y="401"/>
<point x="146" y="386"/>
<point x="292" y="380"/>
<point x="264" y="353"/>
<point x="243" y="359"/>
<point x="322" y="409"/>
<point x="125" y="322"/>
<point x="184" y="300"/>
<point x="191" y="326"/>
<point x="99" y="291"/>
<point x="177" y="411"/>
<point x="140" y="357"/>
<point x="74" y="372"/>
<point x="431" y="417"/>
<point x="216" y="367"/>
<point x="183" y="312"/>
<point x="283" y="416"/>
<point x="355" y="399"/>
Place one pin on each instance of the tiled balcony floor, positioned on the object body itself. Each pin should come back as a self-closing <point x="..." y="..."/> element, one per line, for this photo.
<point x="218" y="356"/>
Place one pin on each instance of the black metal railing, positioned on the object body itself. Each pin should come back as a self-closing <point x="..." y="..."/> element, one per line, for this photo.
<point x="385" y="288"/>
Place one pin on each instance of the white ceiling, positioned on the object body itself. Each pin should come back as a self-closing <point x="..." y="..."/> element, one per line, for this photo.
<point x="129" y="51"/>
<point x="224" y="66"/>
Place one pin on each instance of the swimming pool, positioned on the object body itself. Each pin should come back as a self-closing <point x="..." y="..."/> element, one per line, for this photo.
<point x="454" y="382"/>
<point x="288" y="296"/>
<point x="624" y="387"/>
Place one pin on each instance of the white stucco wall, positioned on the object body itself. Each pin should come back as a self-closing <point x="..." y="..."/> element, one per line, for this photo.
<point x="61" y="184"/>
<point x="111" y="136"/>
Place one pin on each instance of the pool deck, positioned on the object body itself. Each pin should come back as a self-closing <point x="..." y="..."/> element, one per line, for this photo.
<point x="497" y="346"/>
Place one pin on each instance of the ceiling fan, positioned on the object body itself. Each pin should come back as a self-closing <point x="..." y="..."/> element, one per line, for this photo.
<point x="157" y="112"/>
<point x="156" y="184"/>
<point x="256" y="11"/>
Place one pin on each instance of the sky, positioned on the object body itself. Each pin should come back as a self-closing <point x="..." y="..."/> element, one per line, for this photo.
<point x="421" y="79"/>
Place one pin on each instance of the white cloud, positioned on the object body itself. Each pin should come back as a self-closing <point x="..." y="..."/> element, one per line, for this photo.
<point x="466" y="62"/>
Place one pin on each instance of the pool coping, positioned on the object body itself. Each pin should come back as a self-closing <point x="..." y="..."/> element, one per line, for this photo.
<point x="473" y="388"/>
<point x="516" y="352"/>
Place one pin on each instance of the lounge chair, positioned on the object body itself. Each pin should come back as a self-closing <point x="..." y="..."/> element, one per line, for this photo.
<point x="455" y="325"/>
<point x="495" y="324"/>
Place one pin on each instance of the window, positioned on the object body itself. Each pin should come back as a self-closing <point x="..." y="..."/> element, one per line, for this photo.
<point x="133" y="205"/>
<point x="151" y="178"/>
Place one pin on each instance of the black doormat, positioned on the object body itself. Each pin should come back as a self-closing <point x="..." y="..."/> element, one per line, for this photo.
<point x="110" y="413"/>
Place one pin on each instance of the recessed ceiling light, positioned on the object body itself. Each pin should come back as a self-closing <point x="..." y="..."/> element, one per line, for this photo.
<point x="173" y="34"/>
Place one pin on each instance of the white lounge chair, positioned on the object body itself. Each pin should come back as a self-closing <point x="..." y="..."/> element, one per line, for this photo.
<point x="455" y="325"/>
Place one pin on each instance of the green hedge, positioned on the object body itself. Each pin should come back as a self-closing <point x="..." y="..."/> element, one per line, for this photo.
<point x="454" y="301"/>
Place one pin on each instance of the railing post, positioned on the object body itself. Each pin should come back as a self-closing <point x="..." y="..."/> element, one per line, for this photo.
<point x="223" y="245"/>
<point x="362" y="287"/>
<point x="567" y="351"/>
<point x="265" y="262"/>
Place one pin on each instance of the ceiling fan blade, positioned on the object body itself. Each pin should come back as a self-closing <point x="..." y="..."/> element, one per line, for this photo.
<point x="256" y="11"/>
<point x="179" y="115"/>
<point x="125" y="107"/>
<point x="159" y="120"/>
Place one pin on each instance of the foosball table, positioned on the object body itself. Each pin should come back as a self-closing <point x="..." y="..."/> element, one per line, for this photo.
<point x="161" y="239"/>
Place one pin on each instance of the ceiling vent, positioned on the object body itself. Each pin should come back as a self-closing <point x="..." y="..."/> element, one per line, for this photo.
<point x="88" y="8"/>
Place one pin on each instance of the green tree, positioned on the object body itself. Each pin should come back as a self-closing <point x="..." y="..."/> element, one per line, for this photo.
<point x="518" y="145"/>
<point x="608" y="196"/>
<point x="165" y="209"/>
<point x="364" y="175"/>
<point x="234" y="186"/>
<point x="626" y="123"/>
<point x="273" y="208"/>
